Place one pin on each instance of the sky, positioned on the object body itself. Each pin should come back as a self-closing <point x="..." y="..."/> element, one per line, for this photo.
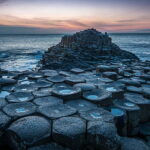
<point x="65" y="16"/>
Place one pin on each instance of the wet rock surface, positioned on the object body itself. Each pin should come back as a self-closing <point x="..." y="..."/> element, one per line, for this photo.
<point x="86" y="110"/>
<point x="83" y="50"/>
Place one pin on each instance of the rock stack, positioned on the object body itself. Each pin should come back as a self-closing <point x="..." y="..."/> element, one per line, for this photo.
<point x="83" y="50"/>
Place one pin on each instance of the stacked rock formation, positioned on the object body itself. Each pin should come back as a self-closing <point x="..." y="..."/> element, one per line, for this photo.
<point x="83" y="50"/>
<point x="107" y="108"/>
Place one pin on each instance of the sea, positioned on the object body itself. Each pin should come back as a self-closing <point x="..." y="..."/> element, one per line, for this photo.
<point x="23" y="52"/>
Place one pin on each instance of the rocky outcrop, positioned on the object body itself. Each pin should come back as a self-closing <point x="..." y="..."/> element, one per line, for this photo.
<point x="83" y="50"/>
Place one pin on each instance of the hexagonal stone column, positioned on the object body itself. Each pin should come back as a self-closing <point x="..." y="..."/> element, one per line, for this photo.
<point x="4" y="121"/>
<point x="28" y="131"/>
<point x="142" y="102"/>
<point x="7" y="81"/>
<point x="48" y="101"/>
<point x="133" y="115"/>
<point x="81" y="105"/>
<point x="97" y="114"/>
<point x="57" y="111"/>
<point x="19" y="97"/>
<point x="120" y="118"/>
<point x="70" y="132"/>
<point x="133" y="144"/>
<point x="102" y="135"/>
<point x="67" y="93"/>
<point x="99" y="96"/>
<point x="16" y="110"/>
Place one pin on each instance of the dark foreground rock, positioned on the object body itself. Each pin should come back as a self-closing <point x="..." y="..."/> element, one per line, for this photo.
<point x="83" y="50"/>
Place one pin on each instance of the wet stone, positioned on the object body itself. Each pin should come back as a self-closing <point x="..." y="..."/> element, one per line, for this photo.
<point x="111" y="75"/>
<point x="64" y="73"/>
<point x="77" y="70"/>
<point x="133" y="115"/>
<point x="28" y="131"/>
<point x="2" y="102"/>
<point x="70" y="132"/>
<point x="74" y="80"/>
<point x="117" y="92"/>
<point x="102" y="135"/>
<point x="3" y="94"/>
<point x="120" y="118"/>
<point x="146" y="92"/>
<point x="25" y="88"/>
<point x="16" y="110"/>
<point x="145" y="129"/>
<point x="56" y="79"/>
<point x="41" y="93"/>
<point x="7" y="81"/>
<point x="104" y="68"/>
<point x="48" y="101"/>
<point x="97" y="114"/>
<point x="57" y="111"/>
<point x="130" y="82"/>
<point x="142" y="102"/>
<point x="8" y="88"/>
<point x="50" y="73"/>
<point x="134" y="89"/>
<point x="133" y="144"/>
<point x="19" y="97"/>
<point x="49" y="146"/>
<point x="35" y="76"/>
<point x="4" y="121"/>
<point x="81" y="105"/>
<point x="66" y="93"/>
<point x="98" y="96"/>
<point x="85" y="86"/>
<point x="43" y="83"/>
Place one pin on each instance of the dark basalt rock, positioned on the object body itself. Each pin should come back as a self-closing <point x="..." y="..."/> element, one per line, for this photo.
<point x="2" y="102"/>
<point x="120" y="118"/>
<point x="50" y="146"/>
<point x="16" y="110"/>
<point x="98" y="96"/>
<point x="102" y="136"/>
<point x="4" y="121"/>
<point x="133" y="144"/>
<point x="56" y="79"/>
<point x="145" y="129"/>
<point x="57" y="111"/>
<point x="41" y="93"/>
<point x="7" y="81"/>
<point x="85" y="86"/>
<point x="133" y="115"/>
<point x="19" y="97"/>
<point x="70" y="132"/>
<point x="3" y="94"/>
<point x="28" y="131"/>
<point x="25" y="88"/>
<point x="66" y="93"/>
<point x="48" y="101"/>
<point x="81" y="105"/>
<point x="83" y="50"/>
<point x="142" y="102"/>
<point x="97" y="114"/>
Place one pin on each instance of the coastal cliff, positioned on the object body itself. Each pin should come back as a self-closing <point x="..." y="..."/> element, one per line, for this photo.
<point x="83" y="50"/>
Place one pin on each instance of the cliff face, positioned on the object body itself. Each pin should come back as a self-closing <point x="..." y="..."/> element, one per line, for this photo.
<point x="83" y="50"/>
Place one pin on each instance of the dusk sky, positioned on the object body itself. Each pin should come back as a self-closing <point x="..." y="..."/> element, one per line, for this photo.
<point x="64" y="16"/>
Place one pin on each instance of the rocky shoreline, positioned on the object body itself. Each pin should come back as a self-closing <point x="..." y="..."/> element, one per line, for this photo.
<point x="88" y="94"/>
<point x="106" y="108"/>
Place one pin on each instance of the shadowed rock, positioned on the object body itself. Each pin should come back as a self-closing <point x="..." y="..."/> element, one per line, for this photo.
<point x="83" y="50"/>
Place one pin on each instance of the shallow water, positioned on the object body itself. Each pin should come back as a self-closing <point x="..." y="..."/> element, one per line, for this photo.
<point x="22" y="52"/>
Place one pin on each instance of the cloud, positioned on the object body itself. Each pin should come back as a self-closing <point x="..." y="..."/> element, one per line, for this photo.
<point x="3" y="1"/>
